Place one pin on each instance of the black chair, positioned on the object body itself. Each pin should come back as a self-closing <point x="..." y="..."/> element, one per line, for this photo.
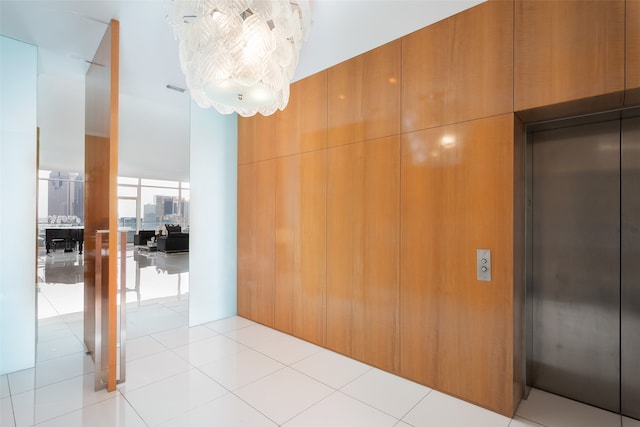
<point x="142" y="237"/>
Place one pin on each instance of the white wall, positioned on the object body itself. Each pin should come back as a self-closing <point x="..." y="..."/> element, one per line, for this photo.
<point x="213" y="222"/>
<point x="154" y="137"/>
<point x="61" y="122"/>
<point x="18" y="175"/>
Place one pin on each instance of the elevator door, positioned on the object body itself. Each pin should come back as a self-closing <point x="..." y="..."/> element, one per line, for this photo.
<point x="585" y="263"/>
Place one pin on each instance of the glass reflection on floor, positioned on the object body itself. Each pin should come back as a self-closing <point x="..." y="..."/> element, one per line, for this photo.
<point x="150" y="276"/>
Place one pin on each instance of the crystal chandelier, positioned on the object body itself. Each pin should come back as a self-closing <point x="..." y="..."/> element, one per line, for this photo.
<point x="240" y="55"/>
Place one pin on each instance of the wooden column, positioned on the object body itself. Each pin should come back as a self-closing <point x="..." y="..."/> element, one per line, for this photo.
<point x="100" y="199"/>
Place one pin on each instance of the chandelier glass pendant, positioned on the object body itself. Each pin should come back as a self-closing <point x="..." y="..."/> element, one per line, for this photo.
<point x="240" y="55"/>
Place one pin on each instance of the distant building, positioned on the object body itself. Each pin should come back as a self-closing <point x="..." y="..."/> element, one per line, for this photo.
<point x="65" y="194"/>
<point x="58" y="193"/>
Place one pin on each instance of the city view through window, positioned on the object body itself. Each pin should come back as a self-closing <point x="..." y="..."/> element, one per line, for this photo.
<point x="143" y="204"/>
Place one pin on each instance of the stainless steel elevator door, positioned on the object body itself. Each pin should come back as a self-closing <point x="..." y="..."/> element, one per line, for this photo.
<point x="576" y="263"/>
<point x="630" y="269"/>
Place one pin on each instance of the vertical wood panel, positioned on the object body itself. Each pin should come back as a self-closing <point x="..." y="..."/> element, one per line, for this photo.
<point x="376" y="318"/>
<point x="256" y="241"/>
<point x="457" y="196"/>
<point x="256" y="138"/>
<point x="101" y="208"/>
<point x="567" y="50"/>
<point x="96" y="217"/>
<point x="364" y="96"/>
<point x="363" y="251"/>
<point x="112" y="301"/>
<point x="345" y="204"/>
<point x="460" y="68"/>
<point x="302" y="126"/>
<point x="300" y="292"/>
<point x="632" y="84"/>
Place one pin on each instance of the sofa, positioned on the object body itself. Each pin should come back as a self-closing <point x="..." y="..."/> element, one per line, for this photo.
<point x="142" y="237"/>
<point x="174" y="241"/>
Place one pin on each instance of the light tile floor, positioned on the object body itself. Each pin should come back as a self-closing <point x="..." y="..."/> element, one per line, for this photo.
<point x="234" y="372"/>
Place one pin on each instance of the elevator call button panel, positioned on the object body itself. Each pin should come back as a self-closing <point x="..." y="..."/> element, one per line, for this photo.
<point x="483" y="257"/>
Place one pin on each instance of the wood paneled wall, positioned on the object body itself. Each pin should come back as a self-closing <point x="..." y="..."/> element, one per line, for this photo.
<point x="457" y="196"/>
<point x="459" y="69"/>
<point x="364" y="96"/>
<point x="632" y="83"/>
<point x="299" y="130"/>
<point x="258" y="134"/>
<point x="568" y="50"/>
<point x="256" y="242"/>
<point x="362" y="204"/>
<point x="301" y="250"/>
<point x="363" y="248"/>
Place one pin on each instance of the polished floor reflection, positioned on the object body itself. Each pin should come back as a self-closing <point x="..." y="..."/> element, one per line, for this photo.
<point x="231" y="372"/>
<point x="150" y="275"/>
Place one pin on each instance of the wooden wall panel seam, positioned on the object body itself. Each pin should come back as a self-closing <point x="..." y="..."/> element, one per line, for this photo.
<point x="326" y="228"/>
<point x="274" y="249"/>
<point x="471" y="120"/>
<point x="284" y="156"/>
<point x="400" y="245"/>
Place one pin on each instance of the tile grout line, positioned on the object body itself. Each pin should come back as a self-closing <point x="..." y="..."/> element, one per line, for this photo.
<point x="133" y="408"/>
<point x="414" y="407"/>
<point x="312" y="405"/>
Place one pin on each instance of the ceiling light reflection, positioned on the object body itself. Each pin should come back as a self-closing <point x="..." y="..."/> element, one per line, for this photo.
<point x="447" y="141"/>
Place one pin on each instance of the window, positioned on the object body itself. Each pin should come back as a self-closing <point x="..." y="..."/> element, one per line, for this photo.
<point x="142" y="203"/>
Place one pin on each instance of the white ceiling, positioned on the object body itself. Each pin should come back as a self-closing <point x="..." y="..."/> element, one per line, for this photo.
<point x="67" y="33"/>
